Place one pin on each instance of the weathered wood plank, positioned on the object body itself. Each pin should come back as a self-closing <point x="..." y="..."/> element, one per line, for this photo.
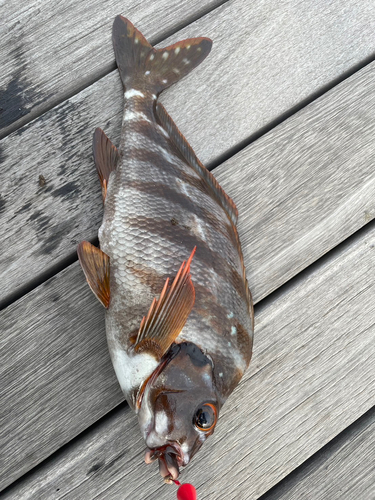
<point x="312" y="375"/>
<point x="345" y="471"/>
<point x="54" y="371"/>
<point x="42" y="42"/>
<point x="266" y="57"/>
<point x="301" y="189"/>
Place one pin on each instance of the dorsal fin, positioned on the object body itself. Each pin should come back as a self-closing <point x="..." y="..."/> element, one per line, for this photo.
<point x="167" y="316"/>
<point x="188" y="153"/>
<point x="95" y="265"/>
<point x="106" y="158"/>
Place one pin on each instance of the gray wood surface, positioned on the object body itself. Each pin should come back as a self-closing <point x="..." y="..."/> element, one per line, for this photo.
<point x="312" y="375"/>
<point x="62" y="317"/>
<point x="266" y="58"/>
<point x="300" y="189"/>
<point x="50" y="50"/>
<point x="345" y="471"/>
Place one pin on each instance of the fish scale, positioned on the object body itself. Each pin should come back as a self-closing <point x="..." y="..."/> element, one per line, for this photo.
<point x="179" y="328"/>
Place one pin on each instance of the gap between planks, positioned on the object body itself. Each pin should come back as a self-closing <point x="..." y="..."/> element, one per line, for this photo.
<point x="33" y="89"/>
<point x="57" y="322"/>
<point x="343" y="469"/>
<point x="305" y="472"/>
<point x="299" y="398"/>
<point x="70" y="259"/>
<point x="45" y="224"/>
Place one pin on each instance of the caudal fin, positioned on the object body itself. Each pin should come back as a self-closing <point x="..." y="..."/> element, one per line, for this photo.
<point x="142" y="67"/>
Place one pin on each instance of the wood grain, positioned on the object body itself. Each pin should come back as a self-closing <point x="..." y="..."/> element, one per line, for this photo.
<point x="300" y="189"/>
<point x="266" y="57"/>
<point x="345" y="471"/>
<point x="56" y="376"/>
<point x="50" y="50"/>
<point x="311" y="376"/>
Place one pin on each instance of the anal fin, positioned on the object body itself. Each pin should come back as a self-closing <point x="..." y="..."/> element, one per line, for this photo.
<point x="106" y="158"/>
<point x="167" y="316"/>
<point x="191" y="158"/>
<point x="95" y="265"/>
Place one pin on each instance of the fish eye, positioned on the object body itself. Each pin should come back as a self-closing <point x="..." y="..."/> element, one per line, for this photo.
<point x="205" y="417"/>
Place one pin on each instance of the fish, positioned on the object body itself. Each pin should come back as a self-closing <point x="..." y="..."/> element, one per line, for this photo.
<point x="170" y="272"/>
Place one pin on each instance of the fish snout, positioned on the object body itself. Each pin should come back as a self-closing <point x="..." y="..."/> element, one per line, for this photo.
<point x="170" y="457"/>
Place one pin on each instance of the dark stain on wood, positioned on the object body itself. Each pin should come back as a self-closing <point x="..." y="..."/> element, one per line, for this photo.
<point x="14" y="100"/>
<point x="25" y="208"/>
<point x="42" y="221"/>
<point x="17" y="98"/>
<point x="2" y="155"/>
<point x="116" y="459"/>
<point x="69" y="190"/>
<point x="58" y="233"/>
<point x="95" y="467"/>
<point x="2" y="204"/>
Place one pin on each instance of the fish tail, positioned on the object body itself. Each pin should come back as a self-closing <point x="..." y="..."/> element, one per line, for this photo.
<point x="144" y="68"/>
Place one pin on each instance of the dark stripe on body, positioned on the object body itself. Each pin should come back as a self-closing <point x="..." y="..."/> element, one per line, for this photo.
<point x="148" y="276"/>
<point x="166" y="192"/>
<point x="180" y="235"/>
<point x="173" y="169"/>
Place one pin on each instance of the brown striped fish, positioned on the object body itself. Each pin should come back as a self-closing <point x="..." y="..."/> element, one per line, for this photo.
<point x="170" y="272"/>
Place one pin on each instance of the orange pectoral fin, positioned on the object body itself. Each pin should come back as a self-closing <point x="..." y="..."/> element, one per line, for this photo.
<point x="106" y="158"/>
<point x="95" y="265"/>
<point x="167" y="316"/>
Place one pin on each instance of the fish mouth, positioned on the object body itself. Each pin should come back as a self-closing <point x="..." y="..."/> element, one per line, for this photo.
<point x="170" y="460"/>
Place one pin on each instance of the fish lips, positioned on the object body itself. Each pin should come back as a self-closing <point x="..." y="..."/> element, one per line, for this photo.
<point x="170" y="460"/>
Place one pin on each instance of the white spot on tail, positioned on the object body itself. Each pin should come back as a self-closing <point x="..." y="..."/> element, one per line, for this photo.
<point x="136" y="40"/>
<point x="230" y="315"/>
<point x="229" y="344"/>
<point x="177" y="50"/>
<point x="165" y="81"/>
<point x="165" y="55"/>
<point x="132" y="93"/>
<point x="233" y="330"/>
<point x="175" y="70"/>
<point x="152" y="56"/>
<point x="185" y="61"/>
<point x="220" y="374"/>
<point x="147" y="73"/>
<point x="188" y="47"/>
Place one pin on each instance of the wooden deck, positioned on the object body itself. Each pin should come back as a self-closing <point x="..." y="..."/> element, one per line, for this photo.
<point x="283" y="111"/>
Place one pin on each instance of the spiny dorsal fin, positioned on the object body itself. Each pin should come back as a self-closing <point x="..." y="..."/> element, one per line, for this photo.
<point x="142" y="67"/>
<point x="167" y="316"/>
<point x="106" y="158"/>
<point x="188" y="153"/>
<point x="95" y="265"/>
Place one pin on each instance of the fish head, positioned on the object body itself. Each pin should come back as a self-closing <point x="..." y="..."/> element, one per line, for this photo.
<point x="179" y="408"/>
